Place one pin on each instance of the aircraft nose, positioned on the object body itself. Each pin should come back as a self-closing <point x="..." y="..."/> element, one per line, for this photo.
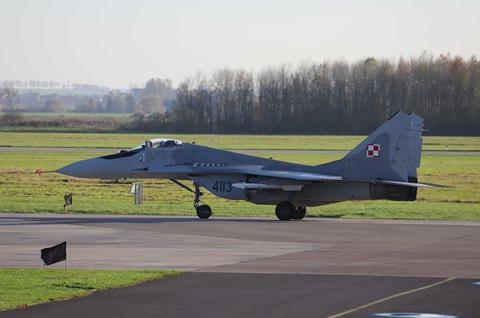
<point x="89" y="168"/>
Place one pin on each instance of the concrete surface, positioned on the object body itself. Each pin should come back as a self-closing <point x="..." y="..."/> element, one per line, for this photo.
<point x="254" y="245"/>
<point x="258" y="267"/>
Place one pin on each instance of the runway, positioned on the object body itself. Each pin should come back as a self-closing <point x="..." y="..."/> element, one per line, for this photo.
<point x="258" y="267"/>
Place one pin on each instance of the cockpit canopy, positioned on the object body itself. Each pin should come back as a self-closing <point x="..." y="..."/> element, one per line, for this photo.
<point x="151" y="143"/>
<point x="160" y="143"/>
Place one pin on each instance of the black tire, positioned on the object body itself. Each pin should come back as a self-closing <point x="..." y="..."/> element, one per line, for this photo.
<point x="284" y="211"/>
<point x="204" y="211"/>
<point x="299" y="213"/>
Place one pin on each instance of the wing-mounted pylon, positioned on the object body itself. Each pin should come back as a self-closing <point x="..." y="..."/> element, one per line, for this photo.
<point x="260" y="186"/>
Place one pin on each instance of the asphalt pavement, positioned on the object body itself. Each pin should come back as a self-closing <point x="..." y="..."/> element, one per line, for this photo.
<point x="259" y="267"/>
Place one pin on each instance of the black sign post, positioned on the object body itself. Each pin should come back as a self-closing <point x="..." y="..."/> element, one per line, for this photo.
<point x="68" y="201"/>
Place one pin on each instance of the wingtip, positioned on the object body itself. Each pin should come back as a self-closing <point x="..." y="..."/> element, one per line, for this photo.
<point x="434" y="185"/>
<point x="412" y="184"/>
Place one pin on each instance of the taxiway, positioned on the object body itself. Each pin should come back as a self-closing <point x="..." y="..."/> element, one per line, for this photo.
<point x="258" y="267"/>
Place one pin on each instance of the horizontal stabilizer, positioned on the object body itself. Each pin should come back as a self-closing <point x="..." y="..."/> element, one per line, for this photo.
<point x="412" y="184"/>
<point x="284" y="187"/>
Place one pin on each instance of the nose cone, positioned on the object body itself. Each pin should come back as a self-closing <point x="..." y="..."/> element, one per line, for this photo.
<point x="89" y="168"/>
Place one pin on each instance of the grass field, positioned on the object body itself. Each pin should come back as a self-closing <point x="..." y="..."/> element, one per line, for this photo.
<point x="267" y="142"/>
<point x="22" y="191"/>
<point x="21" y="287"/>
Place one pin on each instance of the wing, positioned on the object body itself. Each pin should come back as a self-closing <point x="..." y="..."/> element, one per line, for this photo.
<point x="284" y="179"/>
<point x="293" y="175"/>
<point x="412" y="184"/>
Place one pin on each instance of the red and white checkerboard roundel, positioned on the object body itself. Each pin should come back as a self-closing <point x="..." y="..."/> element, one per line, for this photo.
<point x="373" y="150"/>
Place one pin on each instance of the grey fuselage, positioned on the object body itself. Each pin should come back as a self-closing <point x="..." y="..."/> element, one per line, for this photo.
<point x="219" y="171"/>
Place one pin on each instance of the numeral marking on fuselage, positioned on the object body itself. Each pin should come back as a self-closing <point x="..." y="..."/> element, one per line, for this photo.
<point x="222" y="186"/>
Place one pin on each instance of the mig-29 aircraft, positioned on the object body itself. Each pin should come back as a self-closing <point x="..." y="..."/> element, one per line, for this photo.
<point x="383" y="166"/>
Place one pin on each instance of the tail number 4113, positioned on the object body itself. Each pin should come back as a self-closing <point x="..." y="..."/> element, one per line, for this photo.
<point x="222" y="186"/>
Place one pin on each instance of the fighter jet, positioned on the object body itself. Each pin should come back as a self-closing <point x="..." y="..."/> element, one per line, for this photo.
<point x="383" y="166"/>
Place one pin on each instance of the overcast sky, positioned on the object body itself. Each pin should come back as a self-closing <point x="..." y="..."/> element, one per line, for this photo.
<point x="117" y="42"/>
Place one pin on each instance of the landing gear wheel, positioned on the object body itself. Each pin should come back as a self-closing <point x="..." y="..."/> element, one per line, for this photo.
<point x="204" y="211"/>
<point x="299" y="213"/>
<point x="285" y="211"/>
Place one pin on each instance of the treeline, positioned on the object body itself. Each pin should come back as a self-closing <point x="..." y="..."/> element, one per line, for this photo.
<point x="156" y="97"/>
<point x="327" y="98"/>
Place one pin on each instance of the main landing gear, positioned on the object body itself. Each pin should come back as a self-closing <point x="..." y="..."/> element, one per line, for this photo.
<point x="203" y="211"/>
<point x="286" y="211"/>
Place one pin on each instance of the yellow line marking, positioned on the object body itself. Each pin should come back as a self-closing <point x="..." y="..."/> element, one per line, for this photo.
<point x="344" y="313"/>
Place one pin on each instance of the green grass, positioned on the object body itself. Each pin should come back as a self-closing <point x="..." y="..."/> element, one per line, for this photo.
<point x="21" y="287"/>
<point x="266" y="142"/>
<point x="22" y="191"/>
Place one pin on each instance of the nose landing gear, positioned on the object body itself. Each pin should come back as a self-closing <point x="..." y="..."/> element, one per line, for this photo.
<point x="204" y="211"/>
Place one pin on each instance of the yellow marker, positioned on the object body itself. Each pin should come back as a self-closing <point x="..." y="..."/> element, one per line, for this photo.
<point x="344" y="313"/>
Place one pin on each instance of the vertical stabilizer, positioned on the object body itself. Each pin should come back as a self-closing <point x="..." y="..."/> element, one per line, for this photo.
<point x="391" y="152"/>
